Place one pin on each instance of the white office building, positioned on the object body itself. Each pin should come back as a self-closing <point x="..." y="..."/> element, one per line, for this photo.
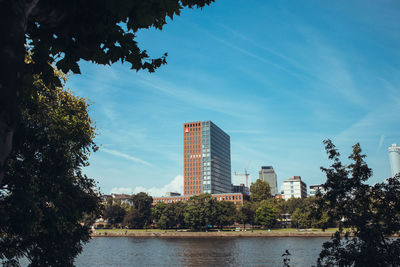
<point x="294" y="187"/>
<point x="394" y="156"/>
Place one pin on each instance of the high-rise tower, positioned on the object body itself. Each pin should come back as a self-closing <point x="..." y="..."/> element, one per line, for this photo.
<point x="394" y="156"/>
<point x="267" y="174"/>
<point x="207" y="159"/>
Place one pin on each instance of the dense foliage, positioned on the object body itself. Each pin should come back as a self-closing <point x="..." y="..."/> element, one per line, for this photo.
<point x="260" y="190"/>
<point x="44" y="195"/>
<point x="170" y="215"/>
<point x="306" y="215"/>
<point x="246" y="214"/>
<point x="65" y="32"/>
<point x="203" y="212"/>
<point x="265" y="214"/>
<point x="139" y="214"/>
<point x="198" y="213"/>
<point x="114" y="214"/>
<point x="368" y="216"/>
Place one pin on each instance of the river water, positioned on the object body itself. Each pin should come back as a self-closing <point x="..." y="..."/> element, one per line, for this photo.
<point x="228" y="251"/>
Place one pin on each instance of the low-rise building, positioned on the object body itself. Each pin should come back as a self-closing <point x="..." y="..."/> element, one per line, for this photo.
<point x="315" y="188"/>
<point x="172" y="194"/>
<point x="124" y="198"/>
<point x="236" y="198"/>
<point x="241" y="189"/>
<point x="294" y="187"/>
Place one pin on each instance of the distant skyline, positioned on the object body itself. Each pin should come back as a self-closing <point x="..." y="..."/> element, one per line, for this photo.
<point x="278" y="76"/>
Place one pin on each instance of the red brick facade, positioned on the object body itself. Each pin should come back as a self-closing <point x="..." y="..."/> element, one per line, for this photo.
<point x="192" y="159"/>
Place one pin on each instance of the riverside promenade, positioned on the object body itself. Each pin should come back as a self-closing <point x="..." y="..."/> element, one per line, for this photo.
<point x="214" y="233"/>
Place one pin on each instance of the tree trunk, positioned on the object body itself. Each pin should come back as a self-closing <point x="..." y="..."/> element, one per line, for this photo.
<point x="14" y="16"/>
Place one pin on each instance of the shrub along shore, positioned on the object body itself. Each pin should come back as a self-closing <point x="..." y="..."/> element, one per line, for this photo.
<point x="192" y="234"/>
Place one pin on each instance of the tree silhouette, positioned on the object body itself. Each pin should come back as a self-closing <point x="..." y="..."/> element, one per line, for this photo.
<point x="368" y="215"/>
<point x="44" y="195"/>
<point x="65" y="32"/>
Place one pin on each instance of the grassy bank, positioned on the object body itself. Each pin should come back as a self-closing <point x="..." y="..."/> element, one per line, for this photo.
<point x="215" y="233"/>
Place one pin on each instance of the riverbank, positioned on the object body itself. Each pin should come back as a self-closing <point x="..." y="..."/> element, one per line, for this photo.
<point x="189" y="234"/>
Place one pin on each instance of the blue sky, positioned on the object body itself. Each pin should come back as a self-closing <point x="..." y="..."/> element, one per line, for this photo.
<point x="278" y="76"/>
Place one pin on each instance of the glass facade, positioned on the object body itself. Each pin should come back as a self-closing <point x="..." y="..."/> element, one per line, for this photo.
<point x="216" y="153"/>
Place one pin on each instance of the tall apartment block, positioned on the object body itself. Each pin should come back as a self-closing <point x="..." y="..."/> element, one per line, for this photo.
<point x="294" y="187"/>
<point x="207" y="159"/>
<point x="394" y="156"/>
<point x="267" y="174"/>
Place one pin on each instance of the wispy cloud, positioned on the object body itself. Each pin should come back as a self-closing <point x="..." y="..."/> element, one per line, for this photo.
<point x="176" y="185"/>
<point x="255" y="56"/>
<point x="126" y="156"/>
<point x="281" y="56"/>
<point x="213" y="102"/>
<point x="331" y="68"/>
<point x="110" y="112"/>
<point x="373" y="124"/>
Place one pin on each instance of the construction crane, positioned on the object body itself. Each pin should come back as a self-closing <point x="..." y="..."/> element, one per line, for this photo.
<point x="243" y="174"/>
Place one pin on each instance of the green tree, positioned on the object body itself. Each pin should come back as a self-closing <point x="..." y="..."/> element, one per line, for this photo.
<point x="89" y="219"/>
<point x="290" y="205"/>
<point x="305" y="213"/>
<point x="260" y="190"/>
<point x="163" y="214"/>
<point x="114" y="214"/>
<point x="265" y="214"/>
<point x="139" y="215"/>
<point x="322" y="221"/>
<point x="44" y="195"/>
<point x="300" y="219"/>
<point x="246" y="213"/>
<point x="134" y="219"/>
<point x="319" y="218"/>
<point x="179" y="213"/>
<point x="65" y="32"/>
<point x="226" y="213"/>
<point x="200" y="212"/>
<point x="371" y="212"/>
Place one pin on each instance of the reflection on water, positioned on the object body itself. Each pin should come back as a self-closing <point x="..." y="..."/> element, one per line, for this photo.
<point x="240" y="251"/>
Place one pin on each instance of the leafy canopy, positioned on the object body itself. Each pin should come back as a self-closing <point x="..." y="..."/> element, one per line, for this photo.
<point x="260" y="190"/>
<point x="65" y="32"/>
<point x="103" y="32"/>
<point x="139" y="215"/>
<point x="199" y="212"/>
<point x="42" y="196"/>
<point x="114" y="214"/>
<point x="372" y="213"/>
<point x="265" y="214"/>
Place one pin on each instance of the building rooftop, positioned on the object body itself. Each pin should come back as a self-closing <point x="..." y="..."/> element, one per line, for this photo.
<point x="120" y="196"/>
<point x="394" y="147"/>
